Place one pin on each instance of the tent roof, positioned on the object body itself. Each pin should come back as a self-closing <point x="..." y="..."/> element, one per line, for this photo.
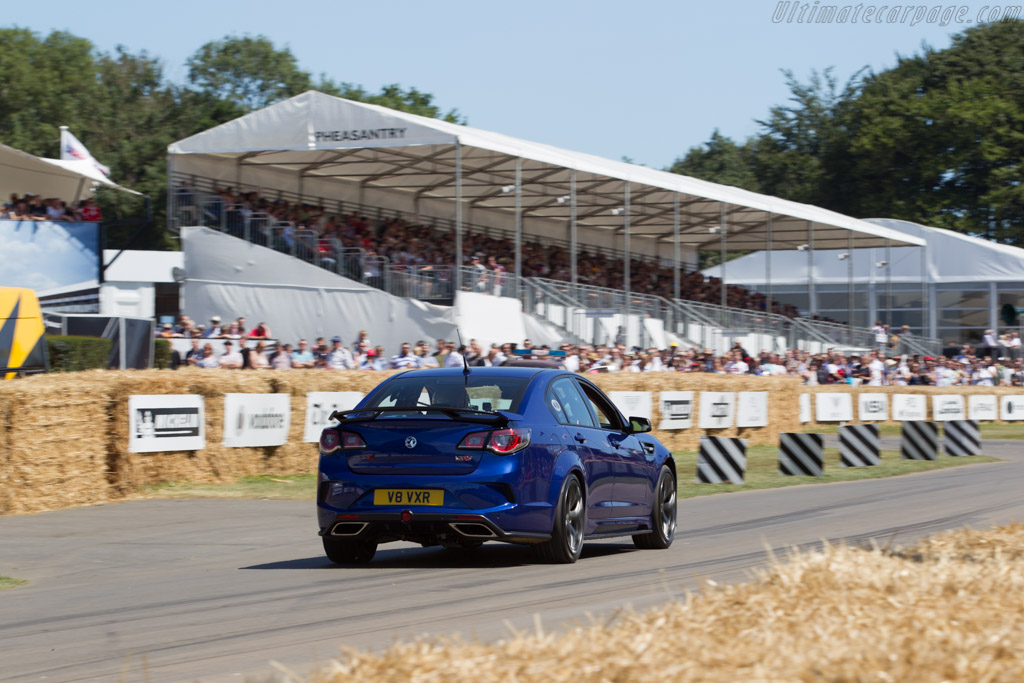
<point x="320" y="136"/>
<point x="21" y="172"/>
<point x="951" y="257"/>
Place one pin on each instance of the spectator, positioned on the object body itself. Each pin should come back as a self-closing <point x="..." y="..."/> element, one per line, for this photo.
<point x="405" y="359"/>
<point x="282" y="359"/>
<point x="258" y="357"/>
<point x="194" y="355"/>
<point x="90" y="211"/>
<point x="303" y="357"/>
<point x="214" y="330"/>
<point x="339" y="358"/>
<point x="209" y="360"/>
<point x="261" y="331"/>
<point x="454" y="358"/>
<point x="231" y="358"/>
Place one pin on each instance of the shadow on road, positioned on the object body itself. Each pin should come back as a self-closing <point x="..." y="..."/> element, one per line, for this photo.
<point x="488" y="556"/>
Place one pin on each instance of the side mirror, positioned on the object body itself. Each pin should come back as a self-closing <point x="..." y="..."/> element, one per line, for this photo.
<point x="639" y="425"/>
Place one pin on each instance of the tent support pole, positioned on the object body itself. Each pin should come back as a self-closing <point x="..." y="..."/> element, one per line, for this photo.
<point x="626" y="274"/>
<point x="926" y="325"/>
<point x="849" y="282"/>
<point x="458" y="216"/>
<point x="768" y="267"/>
<point x="573" y="246"/>
<point x="888" y="282"/>
<point x="519" y="225"/>
<point x="721" y="258"/>
<point x="812" y="296"/>
<point x="675" y="246"/>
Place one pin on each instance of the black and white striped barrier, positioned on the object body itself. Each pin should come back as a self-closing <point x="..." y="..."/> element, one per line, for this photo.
<point x="721" y="460"/>
<point x="858" y="446"/>
<point x="801" y="455"/>
<point x="920" y="441"/>
<point x="962" y="437"/>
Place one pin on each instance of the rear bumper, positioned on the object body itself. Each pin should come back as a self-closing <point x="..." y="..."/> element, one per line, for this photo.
<point x="428" y="528"/>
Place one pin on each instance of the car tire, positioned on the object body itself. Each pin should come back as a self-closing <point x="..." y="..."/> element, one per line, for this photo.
<point x="570" y="522"/>
<point x="663" y="517"/>
<point x="348" y="552"/>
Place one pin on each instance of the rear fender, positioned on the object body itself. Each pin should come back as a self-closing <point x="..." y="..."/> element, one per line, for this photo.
<point x="567" y="464"/>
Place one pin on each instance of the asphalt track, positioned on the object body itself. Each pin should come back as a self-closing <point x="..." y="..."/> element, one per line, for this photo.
<point x="213" y="590"/>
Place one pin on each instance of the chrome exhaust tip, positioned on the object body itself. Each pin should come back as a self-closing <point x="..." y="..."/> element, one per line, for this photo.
<point x="473" y="530"/>
<point x="348" y="528"/>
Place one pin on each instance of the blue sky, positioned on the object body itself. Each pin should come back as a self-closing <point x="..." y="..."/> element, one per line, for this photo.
<point x="645" y="80"/>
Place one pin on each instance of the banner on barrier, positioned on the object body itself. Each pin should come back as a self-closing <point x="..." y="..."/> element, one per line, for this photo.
<point x="716" y="409"/>
<point x="320" y="405"/>
<point x="909" y="407"/>
<point x="168" y="422"/>
<point x="805" y="407"/>
<point x="982" y="407"/>
<point x="833" y="407"/>
<point x="752" y="409"/>
<point x="1012" y="407"/>
<point x="676" y="409"/>
<point x="256" y="419"/>
<point x="872" y="407"/>
<point x="632" y="403"/>
<point x="948" y="407"/>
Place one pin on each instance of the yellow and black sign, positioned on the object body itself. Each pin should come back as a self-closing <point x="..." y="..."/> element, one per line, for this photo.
<point x="22" y="344"/>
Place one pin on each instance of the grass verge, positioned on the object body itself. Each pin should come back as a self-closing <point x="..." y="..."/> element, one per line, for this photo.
<point x="947" y="609"/>
<point x="763" y="470"/>
<point x="263" y="487"/>
<point x="9" y="582"/>
<point x="1010" y="432"/>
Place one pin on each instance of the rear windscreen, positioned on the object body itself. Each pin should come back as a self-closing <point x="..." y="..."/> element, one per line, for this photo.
<point x="478" y="393"/>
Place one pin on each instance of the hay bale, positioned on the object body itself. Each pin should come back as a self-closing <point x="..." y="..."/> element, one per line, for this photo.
<point x="55" y="443"/>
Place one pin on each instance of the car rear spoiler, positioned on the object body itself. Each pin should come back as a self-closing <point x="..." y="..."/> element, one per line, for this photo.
<point x="459" y="414"/>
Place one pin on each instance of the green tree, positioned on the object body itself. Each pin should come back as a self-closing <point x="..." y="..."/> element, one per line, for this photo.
<point x="719" y="160"/>
<point x="247" y="70"/>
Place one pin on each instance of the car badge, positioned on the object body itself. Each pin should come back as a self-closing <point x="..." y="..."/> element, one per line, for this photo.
<point x="410" y="442"/>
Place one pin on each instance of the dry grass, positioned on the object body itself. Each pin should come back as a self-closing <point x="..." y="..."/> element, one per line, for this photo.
<point x="948" y="609"/>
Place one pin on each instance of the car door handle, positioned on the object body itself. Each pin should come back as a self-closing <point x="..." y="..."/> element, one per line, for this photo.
<point x="580" y="438"/>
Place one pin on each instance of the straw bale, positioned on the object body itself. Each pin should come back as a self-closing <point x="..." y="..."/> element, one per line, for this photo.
<point x="5" y="471"/>
<point x="55" y="443"/>
<point x="947" y="609"/>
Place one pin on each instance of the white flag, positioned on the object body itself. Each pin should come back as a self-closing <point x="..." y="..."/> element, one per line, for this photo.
<point x="72" y="148"/>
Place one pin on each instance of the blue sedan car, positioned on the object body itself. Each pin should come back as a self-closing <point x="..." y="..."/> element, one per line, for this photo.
<point x="456" y="457"/>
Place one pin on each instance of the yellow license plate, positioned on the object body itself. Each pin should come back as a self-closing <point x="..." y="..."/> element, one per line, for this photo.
<point x="408" y="497"/>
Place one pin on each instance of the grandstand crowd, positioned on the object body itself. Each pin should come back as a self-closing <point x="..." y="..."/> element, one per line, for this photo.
<point x="887" y="365"/>
<point x="34" y="207"/>
<point x="426" y="251"/>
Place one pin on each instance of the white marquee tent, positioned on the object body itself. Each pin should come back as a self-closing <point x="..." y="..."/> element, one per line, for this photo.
<point x="69" y="180"/>
<point x="317" y="145"/>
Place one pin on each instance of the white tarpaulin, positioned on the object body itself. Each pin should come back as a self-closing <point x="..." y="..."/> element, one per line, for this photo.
<point x="872" y="407"/>
<point x="166" y="422"/>
<point x="909" y="407"/>
<point x="228" y="277"/>
<point x="676" y="409"/>
<point x="632" y="403"/>
<point x="256" y="419"/>
<point x="490" y="319"/>
<point x="752" y="409"/>
<point x="319" y="407"/>
<point x="64" y="179"/>
<point x="717" y="409"/>
<point x="833" y="407"/>
<point x="948" y="407"/>
<point x="982" y="407"/>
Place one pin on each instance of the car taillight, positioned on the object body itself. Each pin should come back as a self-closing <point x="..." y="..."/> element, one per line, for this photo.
<point x="474" y="441"/>
<point x="350" y="440"/>
<point x="329" y="441"/>
<point x="332" y="440"/>
<point x="508" y="441"/>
